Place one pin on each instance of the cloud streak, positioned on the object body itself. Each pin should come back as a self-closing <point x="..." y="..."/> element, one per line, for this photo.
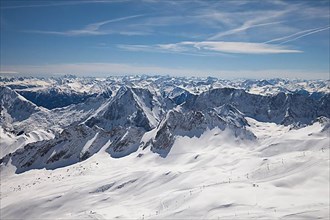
<point x="244" y="27"/>
<point x="252" y="20"/>
<point x="94" y="29"/>
<point x="209" y="15"/>
<point x="298" y="35"/>
<point x="240" y="47"/>
<point x="304" y="35"/>
<point x="212" y="47"/>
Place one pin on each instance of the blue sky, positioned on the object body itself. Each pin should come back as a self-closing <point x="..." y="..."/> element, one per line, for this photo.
<point x="226" y="39"/>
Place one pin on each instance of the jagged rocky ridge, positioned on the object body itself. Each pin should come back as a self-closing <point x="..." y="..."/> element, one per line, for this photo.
<point x="14" y="107"/>
<point x="194" y="123"/>
<point x="281" y="108"/>
<point x="118" y="124"/>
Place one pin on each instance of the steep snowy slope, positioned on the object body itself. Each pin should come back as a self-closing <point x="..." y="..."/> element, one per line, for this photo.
<point x="10" y="142"/>
<point x="22" y="122"/>
<point x="130" y="107"/>
<point x="13" y="110"/>
<point x="14" y="107"/>
<point x="281" y="108"/>
<point x="125" y="123"/>
<point x="118" y="124"/>
<point x="135" y="118"/>
<point x="179" y="122"/>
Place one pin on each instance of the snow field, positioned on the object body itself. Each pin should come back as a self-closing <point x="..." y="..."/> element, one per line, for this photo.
<point x="283" y="174"/>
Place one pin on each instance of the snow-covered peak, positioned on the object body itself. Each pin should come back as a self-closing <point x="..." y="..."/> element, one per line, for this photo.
<point x="14" y="107"/>
<point x="194" y="123"/>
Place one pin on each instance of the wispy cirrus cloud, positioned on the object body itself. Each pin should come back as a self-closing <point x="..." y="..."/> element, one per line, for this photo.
<point x="259" y="19"/>
<point x="210" y="20"/>
<point x="298" y="35"/>
<point x="273" y="22"/>
<point x="240" y="47"/>
<point x="168" y="48"/>
<point x="95" y="29"/>
<point x="212" y="48"/>
<point x="195" y="28"/>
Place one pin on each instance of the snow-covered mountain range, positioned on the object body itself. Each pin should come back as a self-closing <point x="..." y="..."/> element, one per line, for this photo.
<point x="163" y="131"/>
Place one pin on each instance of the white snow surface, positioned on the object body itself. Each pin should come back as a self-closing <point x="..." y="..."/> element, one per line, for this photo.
<point x="10" y="142"/>
<point x="283" y="174"/>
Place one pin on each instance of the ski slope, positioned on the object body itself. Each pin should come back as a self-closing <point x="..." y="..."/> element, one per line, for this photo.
<point x="283" y="174"/>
